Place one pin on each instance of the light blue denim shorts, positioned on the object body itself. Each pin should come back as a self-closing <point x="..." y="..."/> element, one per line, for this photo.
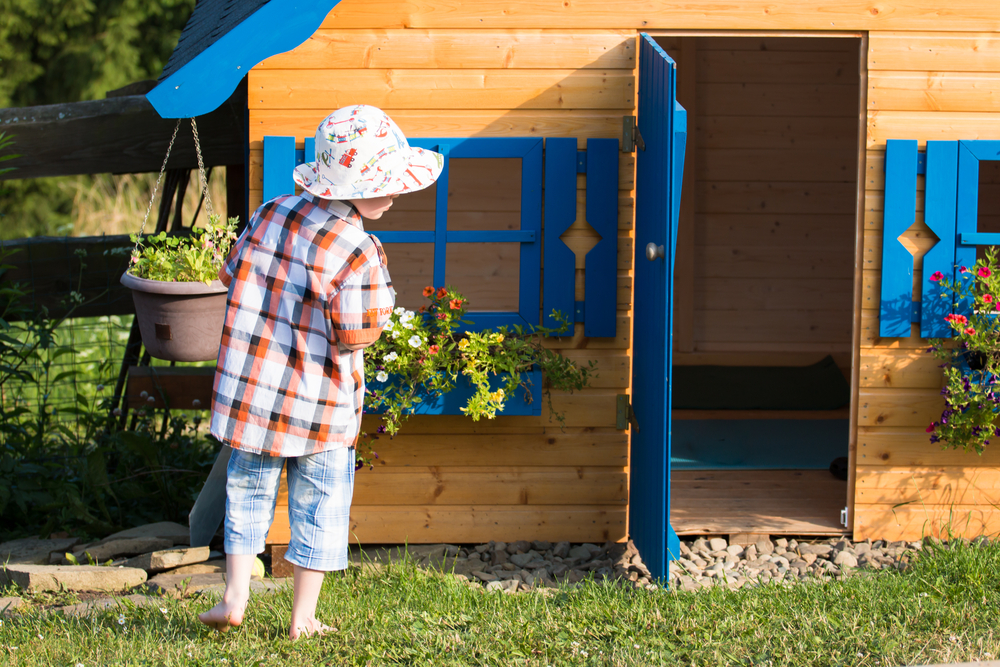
<point x="320" y="487"/>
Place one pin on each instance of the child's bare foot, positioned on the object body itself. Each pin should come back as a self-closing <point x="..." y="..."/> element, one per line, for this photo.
<point x="223" y="616"/>
<point x="308" y="627"/>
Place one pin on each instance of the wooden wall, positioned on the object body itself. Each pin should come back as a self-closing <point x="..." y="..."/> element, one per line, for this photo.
<point x="769" y="217"/>
<point x="449" y="478"/>
<point x="922" y="86"/>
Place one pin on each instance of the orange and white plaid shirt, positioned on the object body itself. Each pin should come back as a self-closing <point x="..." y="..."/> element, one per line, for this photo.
<point x="303" y="277"/>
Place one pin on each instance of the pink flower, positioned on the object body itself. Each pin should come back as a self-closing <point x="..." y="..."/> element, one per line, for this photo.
<point x="930" y="429"/>
<point x="441" y="316"/>
<point x="984" y="272"/>
<point x="971" y="331"/>
<point x="963" y="269"/>
<point x="956" y="319"/>
<point x="987" y="298"/>
<point x="434" y="349"/>
<point x="936" y="276"/>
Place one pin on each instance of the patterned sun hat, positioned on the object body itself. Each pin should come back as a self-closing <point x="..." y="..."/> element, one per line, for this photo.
<point x="361" y="153"/>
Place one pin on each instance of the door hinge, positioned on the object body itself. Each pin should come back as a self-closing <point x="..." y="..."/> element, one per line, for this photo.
<point x="843" y="517"/>
<point x="631" y="136"/>
<point x="625" y="415"/>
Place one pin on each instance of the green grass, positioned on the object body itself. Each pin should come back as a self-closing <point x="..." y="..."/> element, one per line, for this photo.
<point x="943" y="608"/>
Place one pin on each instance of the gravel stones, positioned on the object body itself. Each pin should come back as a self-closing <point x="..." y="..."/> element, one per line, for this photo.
<point x="703" y="562"/>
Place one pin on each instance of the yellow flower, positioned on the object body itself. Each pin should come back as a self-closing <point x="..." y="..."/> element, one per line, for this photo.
<point x="499" y="338"/>
<point x="464" y="343"/>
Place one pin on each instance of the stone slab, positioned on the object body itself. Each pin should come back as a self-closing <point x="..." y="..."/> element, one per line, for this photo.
<point x="8" y="604"/>
<point x="184" y="584"/>
<point x="126" y="546"/>
<point x="71" y="577"/>
<point x="100" y="604"/>
<point x="33" y="551"/>
<point x="208" y="567"/>
<point x="167" y="530"/>
<point x="159" y="561"/>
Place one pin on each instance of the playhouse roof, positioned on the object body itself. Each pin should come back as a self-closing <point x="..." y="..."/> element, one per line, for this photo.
<point x="222" y="41"/>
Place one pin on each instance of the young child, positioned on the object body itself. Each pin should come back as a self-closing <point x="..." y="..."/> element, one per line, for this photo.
<point x="308" y="290"/>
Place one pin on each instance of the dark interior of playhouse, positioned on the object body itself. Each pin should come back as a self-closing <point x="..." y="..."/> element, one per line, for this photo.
<point x="764" y="282"/>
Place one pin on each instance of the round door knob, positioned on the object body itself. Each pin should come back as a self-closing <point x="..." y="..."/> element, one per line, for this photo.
<point x="654" y="252"/>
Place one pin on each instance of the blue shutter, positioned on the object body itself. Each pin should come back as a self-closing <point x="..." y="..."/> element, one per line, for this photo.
<point x="896" y="305"/>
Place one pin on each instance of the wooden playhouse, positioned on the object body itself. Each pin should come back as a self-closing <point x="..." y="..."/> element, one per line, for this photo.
<point x="703" y="188"/>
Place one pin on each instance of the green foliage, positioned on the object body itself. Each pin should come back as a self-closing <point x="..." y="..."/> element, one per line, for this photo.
<point x="196" y="257"/>
<point x="420" y="356"/>
<point x="942" y="609"/>
<point x="97" y="477"/>
<point x="972" y="357"/>
<point x="55" y="51"/>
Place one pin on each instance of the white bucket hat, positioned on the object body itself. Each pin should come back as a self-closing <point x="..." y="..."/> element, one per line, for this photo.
<point x="361" y="153"/>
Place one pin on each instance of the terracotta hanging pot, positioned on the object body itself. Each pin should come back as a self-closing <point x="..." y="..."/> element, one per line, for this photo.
<point x="179" y="321"/>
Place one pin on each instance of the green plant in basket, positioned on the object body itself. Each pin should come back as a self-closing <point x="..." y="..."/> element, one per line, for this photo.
<point x="194" y="257"/>
<point x="421" y="355"/>
<point x="971" y="358"/>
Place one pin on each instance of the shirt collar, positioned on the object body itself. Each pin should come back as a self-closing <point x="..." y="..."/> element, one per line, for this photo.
<point x="342" y="209"/>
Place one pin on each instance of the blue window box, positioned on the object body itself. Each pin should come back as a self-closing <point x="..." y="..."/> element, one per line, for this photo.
<point x="452" y="402"/>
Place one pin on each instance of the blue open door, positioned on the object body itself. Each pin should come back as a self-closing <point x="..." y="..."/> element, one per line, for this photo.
<point x="662" y="126"/>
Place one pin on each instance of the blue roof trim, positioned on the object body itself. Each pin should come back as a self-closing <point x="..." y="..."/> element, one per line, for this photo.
<point x="203" y="84"/>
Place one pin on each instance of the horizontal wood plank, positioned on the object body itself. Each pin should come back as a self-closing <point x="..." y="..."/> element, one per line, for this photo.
<point x="478" y="49"/>
<point x="972" y="15"/>
<point x="437" y="122"/>
<point x="452" y="89"/>
<point x="493" y="485"/>
<point x="939" y="486"/>
<point x="777" y="164"/>
<point x="818" y="100"/>
<point x="911" y="448"/>
<point x="820" y="327"/>
<point x="763" y="261"/>
<point x="776" y="197"/>
<point x="474" y="524"/>
<point x="772" y="132"/>
<point x="818" y="230"/>
<point x="775" y="294"/>
<point x="439" y="446"/>
<point x="934" y="51"/>
<point x="911" y="522"/>
<point x="786" y="67"/>
<point x="898" y="407"/>
<point x="933" y="91"/>
<point x="923" y="126"/>
<point x="901" y="369"/>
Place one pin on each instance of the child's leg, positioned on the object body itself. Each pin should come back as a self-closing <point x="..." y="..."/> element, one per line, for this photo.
<point x="320" y="487"/>
<point x="306" y="594"/>
<point x="252" y="482"/>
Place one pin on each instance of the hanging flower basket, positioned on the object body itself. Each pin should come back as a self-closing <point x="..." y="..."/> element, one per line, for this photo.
<point x="180" y="305"/>
<point x="179" y="321"/>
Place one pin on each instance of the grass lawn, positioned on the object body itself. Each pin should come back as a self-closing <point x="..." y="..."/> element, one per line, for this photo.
<point x="942" y="608"/>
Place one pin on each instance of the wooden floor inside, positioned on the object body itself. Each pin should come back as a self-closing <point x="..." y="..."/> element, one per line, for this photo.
<point x="775" y="502"/>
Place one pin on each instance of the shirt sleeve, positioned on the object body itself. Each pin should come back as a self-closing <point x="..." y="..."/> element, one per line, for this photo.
<point x="362" y="305"/>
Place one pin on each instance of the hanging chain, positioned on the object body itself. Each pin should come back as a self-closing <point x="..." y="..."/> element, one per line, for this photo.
<point x="201" y="171"/>
<point x="201" y="179"/>
<point x="152" y="197"/>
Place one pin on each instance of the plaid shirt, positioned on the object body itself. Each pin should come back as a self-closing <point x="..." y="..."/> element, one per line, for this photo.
<point x="303" y="277"/>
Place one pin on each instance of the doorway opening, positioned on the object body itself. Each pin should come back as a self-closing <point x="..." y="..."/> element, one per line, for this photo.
<point x="764" y="283"/>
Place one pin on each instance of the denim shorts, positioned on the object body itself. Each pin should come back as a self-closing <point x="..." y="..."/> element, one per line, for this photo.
<point x="320" y="487"/>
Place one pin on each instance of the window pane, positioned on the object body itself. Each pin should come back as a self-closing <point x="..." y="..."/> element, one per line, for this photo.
<point x="410" y="212"/>
<point x="486" y="274"/>
<point x="989" y="200"/>
<point x="411" y="267"/>
<point x="484" y="193"/>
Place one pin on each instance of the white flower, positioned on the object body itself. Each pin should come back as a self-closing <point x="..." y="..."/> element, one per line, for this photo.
<point x="415" y="341"/>
<point x="407" y="325"/>
<point x="163" y="610"/>
<point x="79" y="664"/>
<point x="406" y="317"/>
<point x="400" y="310"/>
<point x="392" y="356"/>
<point x="395" y="333"/>
<point x="389" y="325"/>
<point x="381" y="376"/>
<point x="121" y="619"/>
